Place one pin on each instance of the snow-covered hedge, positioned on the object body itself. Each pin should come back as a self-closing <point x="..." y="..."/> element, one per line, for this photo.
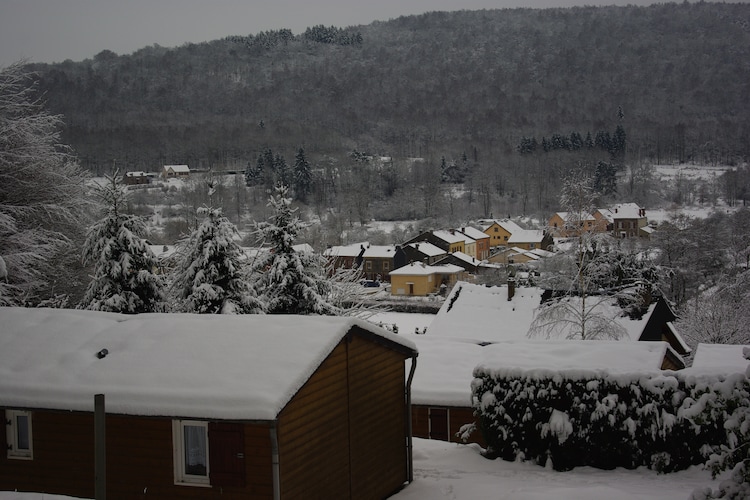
<point x="667" y="421"/>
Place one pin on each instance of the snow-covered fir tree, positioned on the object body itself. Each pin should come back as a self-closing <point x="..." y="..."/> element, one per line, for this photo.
<point x="209" y="276"/>
<point x="302" y="176"/>
<point x="290" y="282"/>
<point x="123" y="279"/>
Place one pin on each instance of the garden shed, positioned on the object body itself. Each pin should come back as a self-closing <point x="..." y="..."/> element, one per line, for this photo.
<point x="204" y="406"/>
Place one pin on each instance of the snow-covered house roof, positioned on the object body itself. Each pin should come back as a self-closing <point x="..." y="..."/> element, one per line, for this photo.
<point x="177" y="168"/>
<point x="627" y="211"/>
<point x="448" y="236"/>
<point x="473" y="233"/>
<point x="421" y="269"/>
<point x="506" y="224"/>
<point x="379" y="251"/>
<point x="195" y="366"/>
<point x="137" y="173"/>
<point x="445" y="367"/>
<point x="427" y="248"/>
<point x="351" y="250"/>
<point x="480" y="313"/>
<point x="468" y="259"/>
<point x="719" y="358"/>
<point x="526" y="236"/>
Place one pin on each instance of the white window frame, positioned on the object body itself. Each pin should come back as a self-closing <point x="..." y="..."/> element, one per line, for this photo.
<point x="178" y="447"/>
<point x="11" y="433"/>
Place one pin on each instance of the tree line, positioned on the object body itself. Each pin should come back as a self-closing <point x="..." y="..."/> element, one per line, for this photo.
<point x="417" y="86"/>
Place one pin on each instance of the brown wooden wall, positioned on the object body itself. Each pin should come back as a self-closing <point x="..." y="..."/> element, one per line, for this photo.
<point x="456" y="417"/>
<point x="353" y="411"/>
<point x="139" y="460"/>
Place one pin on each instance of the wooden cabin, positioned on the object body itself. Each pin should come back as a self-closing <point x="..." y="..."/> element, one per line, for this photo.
<point x="204" y="406"/>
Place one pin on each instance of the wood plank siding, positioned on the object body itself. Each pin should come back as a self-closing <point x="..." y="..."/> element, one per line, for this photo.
<point x="353" y="410"/>
<point x="139" y="460"/>
<point x="432" y="422"/>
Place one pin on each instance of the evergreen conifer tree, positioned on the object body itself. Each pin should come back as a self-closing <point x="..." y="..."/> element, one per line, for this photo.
<point x="302" y="176"/>
<point x="289" y="282"/>
<point x="124" y="279"/>
<point x="209" y="278"/>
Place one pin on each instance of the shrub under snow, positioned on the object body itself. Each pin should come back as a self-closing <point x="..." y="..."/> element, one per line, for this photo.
<point x="667" y="421"/>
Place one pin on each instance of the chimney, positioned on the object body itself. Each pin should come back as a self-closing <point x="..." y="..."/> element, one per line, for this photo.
<point x="511" y="287"/>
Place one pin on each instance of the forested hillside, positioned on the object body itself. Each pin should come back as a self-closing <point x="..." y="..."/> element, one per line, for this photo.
<point x="438" y="84"/>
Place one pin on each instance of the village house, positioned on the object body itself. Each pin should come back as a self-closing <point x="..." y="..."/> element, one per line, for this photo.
<point x="424" y="252"/>
<point x="203" y="406"/>
<point x="500" y="231"/>
<point x="377" y="262"/>
<point x="345" y="256"/>
<point x="467" y="262"/>
<point x="530" y="239"/>
<point x="136" y="178"/>
<point x="175" y="171"/>
<point x="628" y="219"/>
<point x="419" y="279"/>
<point x="516" y="255"/>
<point x="481" y="242"/>
<point x="447" y="240"/>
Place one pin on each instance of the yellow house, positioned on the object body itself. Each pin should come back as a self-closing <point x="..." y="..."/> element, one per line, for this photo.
<point x="529" y="239"/>
<point x="454" y="241"/>
<point x="500" y="231"/>
<point x="419" y="279"/>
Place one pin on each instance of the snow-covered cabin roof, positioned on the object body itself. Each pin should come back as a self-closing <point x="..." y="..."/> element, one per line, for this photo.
<point x="195" y="366"/>
<point x="427" y="248"/>
<point x="138" y="173"/>
<point x="421" y="269"/>
<point x="474" y="233"/>
<point x="526" y="236"/>
<point x="719" y="358"/>
<point x="445" y="367"/>
<point x="449" y="237"/>
<point x="482" y="313"/>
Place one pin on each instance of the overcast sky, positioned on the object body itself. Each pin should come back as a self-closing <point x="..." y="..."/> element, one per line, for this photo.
<point x="55" y="30"/>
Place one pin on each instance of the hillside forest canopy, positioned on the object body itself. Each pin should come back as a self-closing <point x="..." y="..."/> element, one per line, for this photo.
<point x="510" y="93"/>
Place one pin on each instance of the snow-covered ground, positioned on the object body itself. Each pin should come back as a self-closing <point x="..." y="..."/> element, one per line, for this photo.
<point x="407" y="322"/>
<point x="458" y="472"/>
<point x="687" y="171"/>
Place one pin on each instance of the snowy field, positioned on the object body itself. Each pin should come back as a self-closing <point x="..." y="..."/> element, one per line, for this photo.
<point x="686" y="171"/>
<point x="458" y="472"/>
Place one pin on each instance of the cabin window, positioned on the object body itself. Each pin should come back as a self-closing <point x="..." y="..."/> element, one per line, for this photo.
<point x="368" y="265"/>
<point x="208" y="453"/>
<point x="190" y="443"/>
<point x="18" y="434"/>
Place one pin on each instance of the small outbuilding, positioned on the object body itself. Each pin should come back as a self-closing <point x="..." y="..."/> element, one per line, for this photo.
<point x="204" y="406"/>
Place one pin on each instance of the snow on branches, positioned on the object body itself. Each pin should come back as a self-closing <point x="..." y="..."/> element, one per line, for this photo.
<point x="123" y="279"/>
<point x="209" y="278"/>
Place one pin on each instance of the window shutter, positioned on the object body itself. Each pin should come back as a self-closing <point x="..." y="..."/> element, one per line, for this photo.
<point x="226" y="449"/>
<point x="4" y="434"/>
